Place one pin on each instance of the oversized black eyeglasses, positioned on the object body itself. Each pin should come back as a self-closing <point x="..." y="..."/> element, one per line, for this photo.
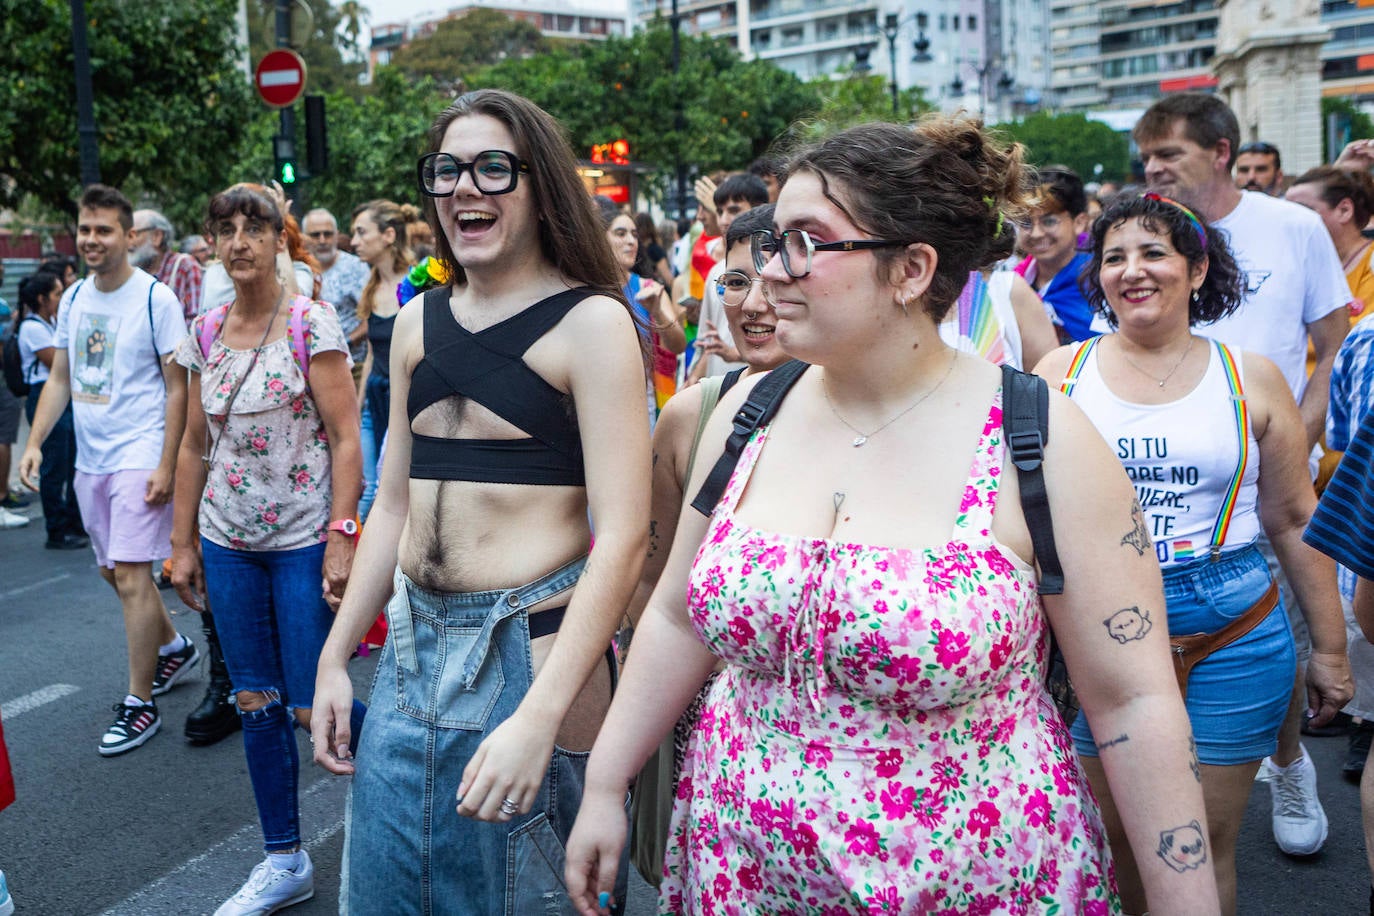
<point x="493" y="172"/>
<point x="796" y="248"/>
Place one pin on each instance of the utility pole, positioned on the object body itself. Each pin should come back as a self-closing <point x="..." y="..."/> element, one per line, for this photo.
<point x="286" y="136"/>
<point x="679" y="120"/>
<point x="88" y="143"/>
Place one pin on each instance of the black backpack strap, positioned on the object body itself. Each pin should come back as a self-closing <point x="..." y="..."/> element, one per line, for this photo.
<point x="1026" y="428"/>
<point x="758" y="409"/>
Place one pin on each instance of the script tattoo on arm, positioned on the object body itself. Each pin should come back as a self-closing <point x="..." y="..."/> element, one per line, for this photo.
<point x="1139" y="536"/>
<point x="1119" y="739"/>
<point x="1183" y="848"/>
<point x="1128" y="625"/>
<point x="653" y="537"/>
<point x="1192" y="759"/>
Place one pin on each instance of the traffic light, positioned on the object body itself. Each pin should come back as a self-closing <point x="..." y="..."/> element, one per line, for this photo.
<point x="284" y="149"/>
<point x="316" y="136"/>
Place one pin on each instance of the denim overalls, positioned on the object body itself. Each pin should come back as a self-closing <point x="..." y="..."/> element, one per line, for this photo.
<point x="454" y="667"/>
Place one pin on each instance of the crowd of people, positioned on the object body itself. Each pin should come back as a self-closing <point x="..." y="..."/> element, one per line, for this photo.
<point x="715" y="549"/>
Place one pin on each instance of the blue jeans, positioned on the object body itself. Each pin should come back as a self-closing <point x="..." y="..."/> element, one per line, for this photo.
<point x="57" y="473"/>
<point x="272" y="624"/>
<point x="454" y="667"/>
<point x="376" y="404"/>
<point x="1238" y="695"/>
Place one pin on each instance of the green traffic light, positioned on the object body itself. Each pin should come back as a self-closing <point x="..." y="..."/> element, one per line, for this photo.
<point x="288" y="173"/>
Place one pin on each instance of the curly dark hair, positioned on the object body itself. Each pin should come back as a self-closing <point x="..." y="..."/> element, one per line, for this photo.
<point x="1222" y="290"/>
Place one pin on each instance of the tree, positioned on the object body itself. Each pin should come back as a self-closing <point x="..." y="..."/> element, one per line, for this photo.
<point x="854" y="100"/>
<point x="1351" y="124"/>
<point x="173" y="116"/>
<point x="459" y="46"/>
<point x="624" y="87"/>
<point x="1073" y="140"/>
<point x="351" y="16"/>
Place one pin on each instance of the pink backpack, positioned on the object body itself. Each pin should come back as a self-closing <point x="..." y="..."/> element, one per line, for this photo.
<point x="295" y="330"/>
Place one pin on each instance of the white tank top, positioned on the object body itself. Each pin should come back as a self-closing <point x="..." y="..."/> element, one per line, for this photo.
<point x="1183" y="456"/>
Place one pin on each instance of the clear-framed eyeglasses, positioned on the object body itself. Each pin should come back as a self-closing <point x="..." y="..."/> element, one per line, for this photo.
<point x="733" y="287"/>
<point x="797" y="248"/>
<point x="493" y="171"/>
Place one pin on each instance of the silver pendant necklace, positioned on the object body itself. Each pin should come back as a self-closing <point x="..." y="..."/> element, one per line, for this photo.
<point x="861" y="437"/>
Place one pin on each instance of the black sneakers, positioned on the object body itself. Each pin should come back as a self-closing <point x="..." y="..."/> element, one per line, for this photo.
<point x="173" y="667"/>
<point x="133" y="725"/>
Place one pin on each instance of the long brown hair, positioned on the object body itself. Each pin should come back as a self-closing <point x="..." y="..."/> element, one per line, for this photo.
<point x="386" y="214"/>
<point x="570" y="235"/>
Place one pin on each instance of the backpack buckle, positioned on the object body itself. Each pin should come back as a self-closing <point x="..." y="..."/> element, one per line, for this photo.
<point x="747" y="419"/>
<point x="1027" y="449"/>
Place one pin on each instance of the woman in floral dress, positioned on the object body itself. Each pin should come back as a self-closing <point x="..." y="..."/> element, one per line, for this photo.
<point x="881" y="740"/>
<point x="267" y="489"/>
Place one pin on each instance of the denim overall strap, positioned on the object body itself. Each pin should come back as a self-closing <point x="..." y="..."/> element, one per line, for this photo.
<point x="400" y="627"/>
<point x="514" y="601"/>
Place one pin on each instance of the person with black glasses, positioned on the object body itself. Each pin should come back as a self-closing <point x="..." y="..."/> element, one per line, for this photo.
<point x="518" y="398"/>
<point x="1258" y="168"/>
<point x="881" y="739"/>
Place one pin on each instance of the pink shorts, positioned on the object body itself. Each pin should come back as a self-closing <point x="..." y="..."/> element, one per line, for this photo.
<point x="122" y="527"/>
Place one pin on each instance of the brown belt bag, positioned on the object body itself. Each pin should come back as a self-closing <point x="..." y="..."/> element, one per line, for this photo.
<point x="1189" y="650"/>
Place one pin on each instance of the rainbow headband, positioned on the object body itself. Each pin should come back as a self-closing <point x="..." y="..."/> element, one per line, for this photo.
<point x="1192" y="217"/>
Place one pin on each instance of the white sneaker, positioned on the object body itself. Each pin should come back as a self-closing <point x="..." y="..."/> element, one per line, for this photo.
<point x="10" y="519"/>
<point x="6" y="901"/>
<point x="1299" y="821"/>
<point x="270" y="889"/>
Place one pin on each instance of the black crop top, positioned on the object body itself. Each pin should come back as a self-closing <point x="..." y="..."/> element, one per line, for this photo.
<point x="489" y="368"/>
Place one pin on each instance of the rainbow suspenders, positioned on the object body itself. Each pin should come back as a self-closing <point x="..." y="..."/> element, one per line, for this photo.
<point x="1242" y="419"/>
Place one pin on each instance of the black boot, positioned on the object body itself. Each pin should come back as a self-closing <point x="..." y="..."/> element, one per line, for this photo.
<point x="216" y="718"/>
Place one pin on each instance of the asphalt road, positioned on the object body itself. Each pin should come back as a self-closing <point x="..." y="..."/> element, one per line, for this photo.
<point x="171" y="829"/>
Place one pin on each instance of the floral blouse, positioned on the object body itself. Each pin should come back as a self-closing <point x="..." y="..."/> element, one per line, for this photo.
<point x="268" y="487"/>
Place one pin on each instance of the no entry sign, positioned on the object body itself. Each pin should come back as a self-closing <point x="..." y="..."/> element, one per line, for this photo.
<point x="280" y="77"/>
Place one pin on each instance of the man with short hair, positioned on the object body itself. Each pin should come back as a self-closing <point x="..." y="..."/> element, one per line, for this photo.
<point x="1295" y="290"/>
<point x="197" y="247"/>
<point x="345" y="275"/>
<point x="1258" y="169"/>
<point x="115" y="332"/>
<point x="154" y="235"/>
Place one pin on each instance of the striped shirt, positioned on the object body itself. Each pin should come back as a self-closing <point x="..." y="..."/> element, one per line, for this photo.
<point x="1343" y="525"/>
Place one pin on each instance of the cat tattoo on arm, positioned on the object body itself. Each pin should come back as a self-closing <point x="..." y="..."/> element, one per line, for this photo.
<point x="1183" y="848"/>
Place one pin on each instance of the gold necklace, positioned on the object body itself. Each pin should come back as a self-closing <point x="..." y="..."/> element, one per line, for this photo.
<point x="861" y="437"/>
<point x="1162" y="381"/>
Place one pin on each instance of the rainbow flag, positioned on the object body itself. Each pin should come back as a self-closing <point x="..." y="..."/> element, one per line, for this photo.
<point x="1183" y="550"/>
<point x="978" y="321"/>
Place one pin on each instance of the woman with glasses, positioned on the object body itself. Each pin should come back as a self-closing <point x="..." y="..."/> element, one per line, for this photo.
<point x="881" y="739"/>
<point x="380" y="242"/>
<point x="1215" y="443"/>
<point x="1049" y="235"/>
<point x="518" y="395"/>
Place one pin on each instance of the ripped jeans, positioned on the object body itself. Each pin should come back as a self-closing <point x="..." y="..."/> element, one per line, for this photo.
<point x="272" y="623"/>
<point x="454" y="667"/>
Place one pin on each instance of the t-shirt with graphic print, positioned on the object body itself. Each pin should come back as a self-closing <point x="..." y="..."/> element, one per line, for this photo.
<point x="268" y="486"/>
<point x="119" y="399"/>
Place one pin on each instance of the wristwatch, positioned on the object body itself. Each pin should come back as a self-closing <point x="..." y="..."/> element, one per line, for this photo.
<point x="347" y="525"/>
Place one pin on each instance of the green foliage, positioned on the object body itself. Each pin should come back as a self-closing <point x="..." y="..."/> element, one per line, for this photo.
<point x="1352" y="124"/>
<point x="173" y="116"/>
<point x="1073" y="140"/>
<point x="459" y="46"/>
<point x="854" y="100"/>
<point x="625" y="87"/>
<point x="374" y="140"/>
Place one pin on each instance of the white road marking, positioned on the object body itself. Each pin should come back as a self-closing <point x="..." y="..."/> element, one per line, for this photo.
<point x="34" y="586"/>
<point x="204" y="881"/>
<point x="38" y="698"/>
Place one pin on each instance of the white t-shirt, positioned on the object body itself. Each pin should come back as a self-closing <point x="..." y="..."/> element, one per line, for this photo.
<point x="1293" y="279"/>
<point x="118" y="396"/>
<point x="34" y="334"/>
<point x="713" y="310"/>
<point x="217" y="289"/>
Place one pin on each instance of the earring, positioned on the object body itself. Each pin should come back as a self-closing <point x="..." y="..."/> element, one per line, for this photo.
<point x="1196" y="297"/>
<point x="903" y="304"/>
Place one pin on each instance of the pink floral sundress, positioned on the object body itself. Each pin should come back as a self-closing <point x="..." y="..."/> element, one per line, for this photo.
<point x="880" y="741"/>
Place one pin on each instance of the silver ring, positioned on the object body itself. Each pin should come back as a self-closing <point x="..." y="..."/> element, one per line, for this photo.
<point x="509" y="806"/>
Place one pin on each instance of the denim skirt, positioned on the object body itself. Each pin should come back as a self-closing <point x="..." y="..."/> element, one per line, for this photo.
<point x="454" y="667"/>
<point x="1238" y="695"/>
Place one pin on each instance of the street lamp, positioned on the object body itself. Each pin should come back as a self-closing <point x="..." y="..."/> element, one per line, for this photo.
<point x="892" y="26"/>
<point x="1005" y="81"/>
